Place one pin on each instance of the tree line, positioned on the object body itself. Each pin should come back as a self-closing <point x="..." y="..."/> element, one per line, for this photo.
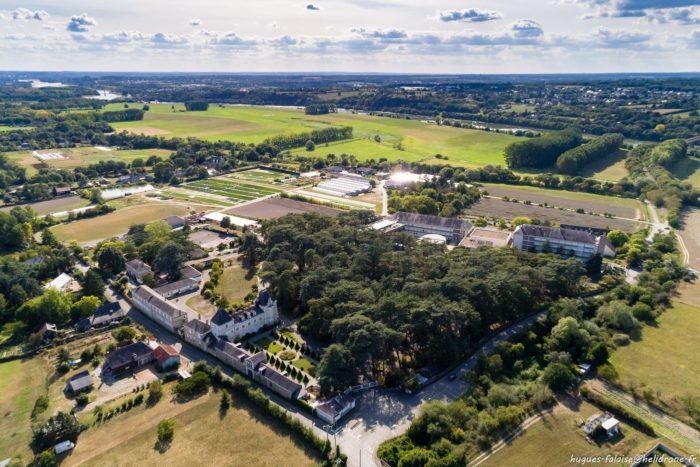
<point x="574" y="159"/>
<point x="297" y="140"/>
<point x="542" y="151"/>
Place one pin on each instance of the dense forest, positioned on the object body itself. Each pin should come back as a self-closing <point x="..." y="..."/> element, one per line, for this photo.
<point x="575" y="159"/>
<point x="542" y="151"/>
<point x="388" y="306"/>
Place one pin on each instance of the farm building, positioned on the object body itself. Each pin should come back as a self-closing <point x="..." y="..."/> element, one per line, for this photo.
<point x="137" y="269"/>
<point x="583" y="245"/>
<point x="334" y="409"/>
<point x="419" y="225"/>
<point x="127" y="358"/>
<point x="166" y="357"/>
<point x="176" y="288"/>
<point x="62" y="191"/>
<point x="79" y="382"/>
<point x="175" y="222"/>
<point x="248" y="321"/>
<point x="155" y="307"/>
<point x="346" y="185"/>
<point x="105" y="315"/>
<point x="481" y="236"/>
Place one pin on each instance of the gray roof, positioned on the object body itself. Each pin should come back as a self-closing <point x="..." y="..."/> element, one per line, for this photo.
<point x="123" y="355"/>
<point x="200" y="327"/>
<point x="177" y="285"/>
<point x="188" y="272"/>
<point x="107" y="312"/>
<point x="231" y="350"/>
<point x="452" y="223"/>
<point x="558" y="234"/>
<point x="139" y="265"/>
<point x="149" y="295"/>
<point x="80" y="381"/>
<point x="257" y="359"/>
<point x="221" y="317"/>
<point x="175" y="222"/>
<point x="279" y="379"/>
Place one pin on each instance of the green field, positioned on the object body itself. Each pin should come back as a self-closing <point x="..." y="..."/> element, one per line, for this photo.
<point x="666" y="359"/>
<point x="420" y="141"/>
<point x="231" y="189"/>
<point x="14" y="128"/>
<point x="235" y="283"/>
<point x="81" y="157"/>
<point x="688" y="170"/>
<point x="609" y="168"/>
<point x="115" y="223"/>
<point x="261" y="175"/>
<point x="555" y="438"/>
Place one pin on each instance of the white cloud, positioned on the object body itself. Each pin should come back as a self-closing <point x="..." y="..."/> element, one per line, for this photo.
<point x="24" y="14"/>
<point x="195" y="22"/>
<point x="470" y="15"/>
<point x="80" y="23"/>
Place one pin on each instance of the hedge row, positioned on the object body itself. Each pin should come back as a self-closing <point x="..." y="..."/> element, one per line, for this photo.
<point x="617" y="409"/>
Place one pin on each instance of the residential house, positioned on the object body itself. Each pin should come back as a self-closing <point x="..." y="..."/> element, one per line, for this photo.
<point x="136" y="269"/>
<point x="155" y="307"/>
<point x="583" y="245"/>
<point x="198" y="333"/>
<point x="249" y="321"/>
<point x="177" y="288"/>
<point x="127" y="358"/>
<point x="334" y="409"/>
<point x="105" y="315"/>
<point x="166" y="357"/>
<point x="188" y="272"/>
<point x="79" y="382"/>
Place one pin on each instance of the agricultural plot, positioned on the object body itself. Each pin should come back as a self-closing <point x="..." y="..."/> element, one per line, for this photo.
<point x="599" y="204"/>
<point x="555" y="438"/>
<point x="55" y="205"/>
<point x="232" y="190"/>
<point x="496" y="208"/>
<point x="670" y="371"/>
<point x="375" y="137"/>
<point x="71" y="158"/>
<point x="261" y="175"/>
<point x="690" y="221"/>
<point x="274" y="208"/>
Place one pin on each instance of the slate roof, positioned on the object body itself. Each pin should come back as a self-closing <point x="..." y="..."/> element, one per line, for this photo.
<point x="221" y="317"/>
<point x="124" y="355"/>
<point x="177" y="285"/>
<point x="452" y="223"/>
<point x="257" y="359"/>
<point x="558" y="234"/>
<point x="175" y="222"/>
<point x="149" y="295"/>
<point x="139" y="266"/>
<point x="80" y="381"/>
<point x="188" y="272"/>
<point x="231" y="350"/>
<point x="279" y="379"/>
<point x="200" y="327"/>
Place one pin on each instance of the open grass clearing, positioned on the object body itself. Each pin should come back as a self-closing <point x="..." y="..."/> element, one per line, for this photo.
<point x="81" y="157"/>
<point x="690" y="226"/>
<point x="21" y="383"/>
<point x="240" y="438"/>
<point x="553" y="440"/>
<point x="304" y="364"/>
<point x="400" y="139"/>
<point x="261" y="175"/>
<point x="599" y="204"/>
<point x="196" y="197"/>
<point x="688" y="170"/>
<point x="116" y="223"/>
<point x="666" y="358"/>
<point x="609" y="168"/>
<point x="235" y="282"/>
<point x="496" y="208"/>
<point x="270" y="345"/>
<point x="233" y="191"/>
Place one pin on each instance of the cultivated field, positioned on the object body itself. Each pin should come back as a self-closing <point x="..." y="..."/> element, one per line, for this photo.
<point x="688" y="170"/>
<point x="232" y="190"/>
<point x="408" y="140"/>
<point x="240" y="438"/>
<point x="81" y="157"/>
<point x="55" y="205"/>
<point x="117" y="222"/>
<point x="620" y="207"/>
<point x="261" y="175"/>
<point x="274" y="208"/>
<point x="689" y="232"/>
<point x="669" y="370"/>
<point x="497" y="208"/>
<point x="554" y="439"/>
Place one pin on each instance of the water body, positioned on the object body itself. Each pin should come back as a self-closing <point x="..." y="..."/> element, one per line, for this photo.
<point x="104" y="95"/>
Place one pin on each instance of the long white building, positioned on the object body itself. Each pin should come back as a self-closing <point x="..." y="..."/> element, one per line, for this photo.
<point x="583" y="245"/>
<point x="155" y="307"/>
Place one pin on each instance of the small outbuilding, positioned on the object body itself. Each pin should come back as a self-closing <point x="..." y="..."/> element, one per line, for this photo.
<point x="611" y="426"/>
<point x="166" y="357"/>
<point x="79" y="382"/>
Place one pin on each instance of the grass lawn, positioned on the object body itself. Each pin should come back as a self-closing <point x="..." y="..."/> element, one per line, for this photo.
<point x="21" y="383"/>
<point x="234" y="283"/>
<point x="304" y="365"/>
<point x="555" y="438"/>
<point x="116" y="223"/>
<point x="81" y="157"/>
<point x="240" y="438"/>
<point x="609" y="168"/>
<point x="688" y="170"/>
<point x="268" y="344"/>
<point x="420" y="141"/>
<point x="231" y="189"/>
<point x="667" y="357"/>
<point x="14" y="128"/>
<point x="260" y="175"/>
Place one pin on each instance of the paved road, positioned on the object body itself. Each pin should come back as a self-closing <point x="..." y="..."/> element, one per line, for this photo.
<point x="382" y="414"/>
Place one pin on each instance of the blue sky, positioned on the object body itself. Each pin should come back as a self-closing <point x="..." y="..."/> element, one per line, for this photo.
<point x="496" y="36"/>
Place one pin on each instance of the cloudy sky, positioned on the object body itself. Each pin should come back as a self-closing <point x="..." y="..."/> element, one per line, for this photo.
<point x="479" y="36"/>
